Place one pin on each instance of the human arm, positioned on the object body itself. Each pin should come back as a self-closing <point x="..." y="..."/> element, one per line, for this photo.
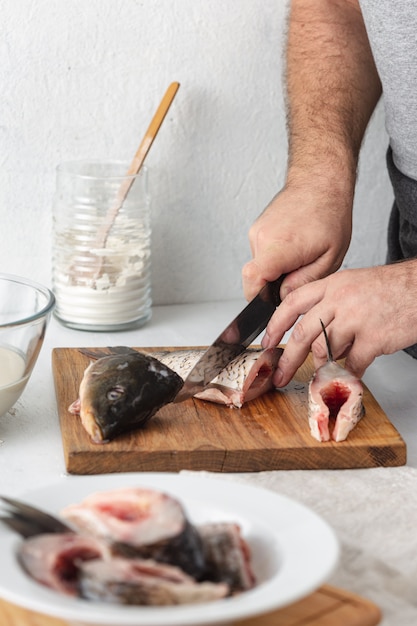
<point x="367" y="312"/>
<point x="332" y="89"/>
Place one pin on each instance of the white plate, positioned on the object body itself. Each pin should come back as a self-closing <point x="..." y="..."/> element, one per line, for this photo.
<point x="293" y="550"/>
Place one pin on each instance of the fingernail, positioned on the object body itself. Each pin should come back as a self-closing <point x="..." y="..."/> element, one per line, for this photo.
<point x="266" y="341"/>
<point x="285" y="290"/>
<point x="277" y="379"/>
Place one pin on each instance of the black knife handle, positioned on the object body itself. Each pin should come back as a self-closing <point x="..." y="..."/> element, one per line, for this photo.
<point x="261" y="308"/>
<point x="270" y="291"/>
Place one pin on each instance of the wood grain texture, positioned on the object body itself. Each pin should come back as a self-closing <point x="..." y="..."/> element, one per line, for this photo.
<point x="269" y="433"/>
<point x="326" y="607"/>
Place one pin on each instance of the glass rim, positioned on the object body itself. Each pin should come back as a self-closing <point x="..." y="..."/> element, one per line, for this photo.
<point x="70" y="167"/>
<point x="27" y="282"/>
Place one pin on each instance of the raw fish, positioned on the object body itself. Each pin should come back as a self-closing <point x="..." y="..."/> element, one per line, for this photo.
<point x="247" y="377"/>
<point x="121" y="392"/>
<point x="227" y="555"/>
<point x="141" y="523"/>
<point x="145" y="583"/>
<point x="136" y="546"/>
<point x="54" y="559"/>
<point x="334" y="393"/>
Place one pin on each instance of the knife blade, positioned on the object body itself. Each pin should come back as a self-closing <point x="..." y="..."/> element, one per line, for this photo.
<point x="235" y="338"/>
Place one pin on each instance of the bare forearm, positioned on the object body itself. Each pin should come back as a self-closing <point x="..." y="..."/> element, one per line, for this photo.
<point x="332" y="85"/>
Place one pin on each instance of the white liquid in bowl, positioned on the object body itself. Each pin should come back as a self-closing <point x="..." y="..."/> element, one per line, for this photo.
<point x="12" y="383"/>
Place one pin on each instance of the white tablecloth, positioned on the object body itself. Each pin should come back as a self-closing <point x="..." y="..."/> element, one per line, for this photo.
<point x="374" y="514"/>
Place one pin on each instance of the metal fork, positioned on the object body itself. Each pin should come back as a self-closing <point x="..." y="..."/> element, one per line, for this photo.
<point x="29" y="521"/>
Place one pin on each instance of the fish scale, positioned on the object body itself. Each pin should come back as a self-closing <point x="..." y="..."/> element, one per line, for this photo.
<point x="235" y="373"/>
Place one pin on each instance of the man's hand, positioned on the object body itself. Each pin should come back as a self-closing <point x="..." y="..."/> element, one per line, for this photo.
<point x="366" y="312"/>
<point x="304" y="232"/>
<point x="332" y="88"/>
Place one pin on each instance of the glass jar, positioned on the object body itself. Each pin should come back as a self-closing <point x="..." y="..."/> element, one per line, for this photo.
<point x="101" y="265"/>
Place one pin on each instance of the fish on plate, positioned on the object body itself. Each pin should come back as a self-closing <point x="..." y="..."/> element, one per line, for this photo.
<point x="144" y="582"/>
<point x="122" y="390"/>
<point x="137" y="546"/>
<point x="141" y="523"/>
<point x="55" y="559"/>
<point x="334" y="393"/>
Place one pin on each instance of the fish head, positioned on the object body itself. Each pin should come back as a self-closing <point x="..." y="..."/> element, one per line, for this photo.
<point x="121" y="392"/>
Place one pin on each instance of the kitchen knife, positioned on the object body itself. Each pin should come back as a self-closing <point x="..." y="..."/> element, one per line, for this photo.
<point x="235" y="338"/>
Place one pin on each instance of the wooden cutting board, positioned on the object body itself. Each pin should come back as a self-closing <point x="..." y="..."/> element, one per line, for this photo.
<point x="268" y="433"/>
<point x="326" y="607"/>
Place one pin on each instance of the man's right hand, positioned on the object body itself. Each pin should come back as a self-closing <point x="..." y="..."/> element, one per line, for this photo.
<point x="304" y="232"/>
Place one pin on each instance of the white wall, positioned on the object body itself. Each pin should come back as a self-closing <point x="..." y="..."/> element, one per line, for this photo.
<point x="82" y="78"/>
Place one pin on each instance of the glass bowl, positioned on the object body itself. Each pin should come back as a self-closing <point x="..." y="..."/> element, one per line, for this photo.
<point x="25" y="310"/>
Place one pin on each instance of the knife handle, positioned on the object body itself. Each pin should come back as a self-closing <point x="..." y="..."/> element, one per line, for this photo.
<point x="270" y="291"/>
<point x="255" y="317"/>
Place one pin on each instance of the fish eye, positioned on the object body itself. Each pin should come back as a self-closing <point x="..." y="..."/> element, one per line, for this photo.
<point x="115" y="393"/>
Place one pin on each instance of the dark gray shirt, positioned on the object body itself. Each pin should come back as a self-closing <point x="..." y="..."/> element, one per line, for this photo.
<point x="392" y="32"/>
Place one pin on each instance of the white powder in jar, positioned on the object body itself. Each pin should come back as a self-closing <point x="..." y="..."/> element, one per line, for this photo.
<point x="103" y="288"/>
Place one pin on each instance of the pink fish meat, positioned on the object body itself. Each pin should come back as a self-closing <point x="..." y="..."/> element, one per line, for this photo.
<point x="136" y="546"/>
<point x="54" y="560"/>
<point x="83" y="566"/>
<point x="247" y="377"/>
<point x="334" y="393"/>
<point x="141" y="523"/>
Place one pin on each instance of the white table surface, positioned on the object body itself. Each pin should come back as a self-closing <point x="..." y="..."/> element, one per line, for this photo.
<point x="31" y="453"/>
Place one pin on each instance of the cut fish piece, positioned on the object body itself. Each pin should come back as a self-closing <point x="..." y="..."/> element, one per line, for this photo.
<point x="144" y="582"/>
<point x="123" y="389"/>
<point x="227" y="555"/>
<point x="141" y="522"/>
<point x="121" y="392"/>
<point x="247" y="377"/>
<point x="54" y="559"/>
<point x="333" y="392"/>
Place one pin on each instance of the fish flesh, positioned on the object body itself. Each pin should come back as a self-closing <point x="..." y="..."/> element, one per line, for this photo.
<point x="121" y="392"/>
<point x="227" y="555"/>
<point x="143" y="523"/>
<point x="136" y="546"/>
<point x="247" y="377"/>
<point x="54" y="559"/>
<point x="334" y="394"/>
<point x="144" y="582"/>
<point x="82" y="566"/>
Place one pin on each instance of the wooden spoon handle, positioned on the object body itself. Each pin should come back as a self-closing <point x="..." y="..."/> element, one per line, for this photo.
<point x="153" y="129"/>
<point x="137" y="161"/>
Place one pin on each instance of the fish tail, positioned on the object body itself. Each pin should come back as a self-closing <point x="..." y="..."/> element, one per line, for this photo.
<point x="329" y="350"/>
